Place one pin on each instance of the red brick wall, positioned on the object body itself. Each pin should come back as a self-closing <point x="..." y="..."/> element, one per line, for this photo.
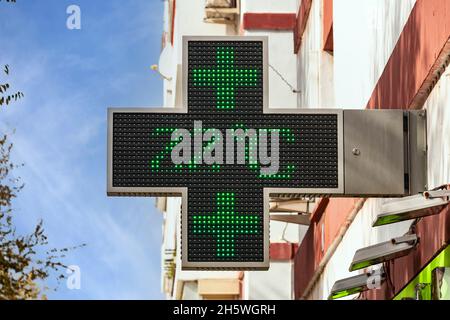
<point x="327" y="24"/>
<point x="269" y="21"/>
<point x="300" y="25"/>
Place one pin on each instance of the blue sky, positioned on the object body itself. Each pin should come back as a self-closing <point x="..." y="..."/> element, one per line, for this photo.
<point x="70" y="78"/>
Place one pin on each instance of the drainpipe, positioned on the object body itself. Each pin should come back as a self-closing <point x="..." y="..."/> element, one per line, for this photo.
<point x="344" y="227"/>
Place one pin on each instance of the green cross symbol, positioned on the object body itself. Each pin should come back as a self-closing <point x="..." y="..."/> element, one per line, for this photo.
<point x="225" y="78"/>
<point x="225" y="224"/>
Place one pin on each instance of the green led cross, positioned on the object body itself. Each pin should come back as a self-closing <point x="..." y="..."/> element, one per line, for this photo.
<point x="225" y="78"/>
<point x="225" y="224"/>
<point x="155" y="162"/>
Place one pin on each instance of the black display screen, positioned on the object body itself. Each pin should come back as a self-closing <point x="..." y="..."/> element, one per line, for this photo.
<point x="225" y="204"/>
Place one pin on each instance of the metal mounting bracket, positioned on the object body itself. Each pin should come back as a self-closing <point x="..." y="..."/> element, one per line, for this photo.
<point x="439" y="192"/>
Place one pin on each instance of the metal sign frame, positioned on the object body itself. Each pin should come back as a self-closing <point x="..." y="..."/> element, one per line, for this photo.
<point x="183" y="191"/>
<point x="343" y="157"/>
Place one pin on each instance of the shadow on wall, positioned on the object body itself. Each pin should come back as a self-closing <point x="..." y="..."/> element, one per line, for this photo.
<point x="398" y="82"/>
<point x="438" y="117"/>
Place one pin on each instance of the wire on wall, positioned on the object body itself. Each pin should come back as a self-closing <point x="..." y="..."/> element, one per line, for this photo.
<point x="284" y="79"/>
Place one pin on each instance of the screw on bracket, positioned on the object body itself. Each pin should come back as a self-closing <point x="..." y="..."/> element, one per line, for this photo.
<point x="356" y="151"/>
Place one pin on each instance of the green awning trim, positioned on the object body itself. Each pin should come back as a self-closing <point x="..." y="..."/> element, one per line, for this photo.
<point x="442" y="260"/>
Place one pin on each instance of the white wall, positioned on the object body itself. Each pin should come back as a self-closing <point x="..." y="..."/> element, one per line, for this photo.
<point x="275" y="284"/>
<point x="282" y="231"/>
<point x="273" y="6"/>
<point x="438" y="118"/>
<point x="281" y="51"/>
<point x="282" y="59"/>
<point x="365" y="33"/>
<point x="315" y="66"/>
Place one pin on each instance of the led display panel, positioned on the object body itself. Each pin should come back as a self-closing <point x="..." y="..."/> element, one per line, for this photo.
<point x="224" y="153"/>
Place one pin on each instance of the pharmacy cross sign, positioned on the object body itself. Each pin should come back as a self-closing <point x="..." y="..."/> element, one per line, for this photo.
<point x="224" y="153"/>
<point x="225" y="218"/>
<point x="225" y="78"/>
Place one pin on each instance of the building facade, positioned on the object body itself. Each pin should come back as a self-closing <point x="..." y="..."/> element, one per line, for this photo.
<point x="350" y="54"/>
